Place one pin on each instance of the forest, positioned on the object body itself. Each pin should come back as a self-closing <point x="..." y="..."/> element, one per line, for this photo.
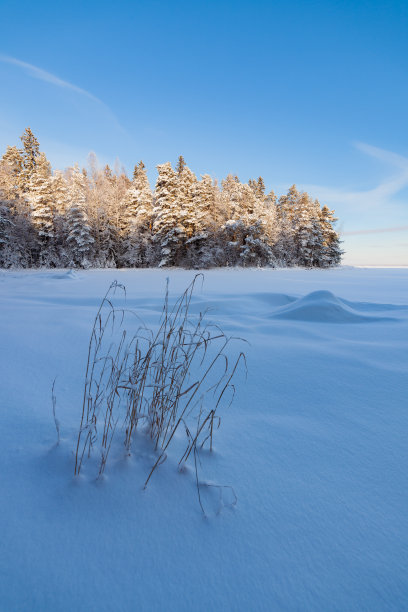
<point x="97" y="218"/>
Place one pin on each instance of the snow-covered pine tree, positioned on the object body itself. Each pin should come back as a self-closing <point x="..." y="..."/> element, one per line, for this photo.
<point x="30" y="154"/>
<point x="180" y="165"/>
<point x="268" y="215"/>
<point x="18" y="238"/>
<point x="244" y="232"/>
<point x="286" y="213"/>
<point x="61" y="201"/>
<point x="41" y="202"/>
<point x="331" y="251"/>
<point x="169" y="232"/>
<point x="136" y="221"/>
<point x="255" y="249"/>
<point x="232" y="197"/>
<point x="257" y="186"/>
<point x="60" y="192"/>
<point x="79" y="239"/>
<point x="11" y="174"/>
<point x="201" y="224"/>
<point x="307" y="231"/>
<point x="136" y="169"/>
<point x="230" y="234"/>
<point x="185" y="184"/>
<point x="260" y="188"/>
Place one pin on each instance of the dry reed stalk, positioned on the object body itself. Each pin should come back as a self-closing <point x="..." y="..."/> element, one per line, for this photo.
<point x="176" y="376"/>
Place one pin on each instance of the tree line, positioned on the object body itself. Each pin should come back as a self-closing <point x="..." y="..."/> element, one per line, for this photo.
<point x="95" y="217"/>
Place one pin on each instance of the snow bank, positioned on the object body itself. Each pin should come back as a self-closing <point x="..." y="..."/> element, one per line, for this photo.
<point x="325" y="307"/>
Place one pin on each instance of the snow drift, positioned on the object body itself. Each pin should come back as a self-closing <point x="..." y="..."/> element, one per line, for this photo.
<point x="325" y="307"/>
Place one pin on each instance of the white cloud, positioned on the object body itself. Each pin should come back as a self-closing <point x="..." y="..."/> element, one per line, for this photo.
<point x="48" y="77"/>
<point x="377" y="196"/>
<point x="43" y="75"/>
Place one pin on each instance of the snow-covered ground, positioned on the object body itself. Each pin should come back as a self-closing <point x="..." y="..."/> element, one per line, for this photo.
<point x="315" y="447"/>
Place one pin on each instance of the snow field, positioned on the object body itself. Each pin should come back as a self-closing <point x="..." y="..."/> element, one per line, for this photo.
<point x="314" y="446"/>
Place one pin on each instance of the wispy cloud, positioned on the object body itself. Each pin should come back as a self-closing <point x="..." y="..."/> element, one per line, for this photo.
<point x="43" y="75"/>
<point x="401" y="228"/>
<point x="48" y="77"/>
<point x="379" y="195"/>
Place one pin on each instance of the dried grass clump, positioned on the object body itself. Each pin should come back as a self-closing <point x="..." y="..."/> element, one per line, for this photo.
<point x="165" y="381"/>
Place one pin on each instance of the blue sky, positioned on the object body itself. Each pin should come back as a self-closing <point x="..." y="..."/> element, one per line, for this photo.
<point x="312" y="93"/>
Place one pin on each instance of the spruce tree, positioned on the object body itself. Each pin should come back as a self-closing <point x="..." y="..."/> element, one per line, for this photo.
<point x="60" y="192"/>
<point x="331" y="251"/>
<point x="11" y="174"/>
<point x="286" y="214"/>
<point x="307" y="232"/>
<point x="136" y="220"/>
<point x="254" y="249"/>
<point x="169" y="232"/>
<point x="42" y="209"/>
<point x="253" y="185"/>
<point x="30" y="154"/>
<point x="79" y="238"/>
<point x="260" y="187"/>
<point x="140" y="167"/>
<point x="200" y="224"/>
<point x="186" y="181"/>
<point x="61" y="202"/>
<point x="180" y="164"/>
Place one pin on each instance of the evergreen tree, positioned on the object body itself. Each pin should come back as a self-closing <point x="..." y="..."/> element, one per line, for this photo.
<point x="307" y="232"/>
<point x="232" y="197"/>
<point x="169" y="232"/>
<point x="255" y="250"/>
<point x="79" y="238"/>
<point x="42" y="212"/>
<point x="137" y="220"/>
<point x="180" y="164"/>
<point x="200" y="224"/>
<point x="108" y="173"/>
<point x="253" y="185"/>
<point x="60" y="193"/>
<point x="331" y="251"/>
<point x="286" y="214"/>
<point x="61" y="202"/>
<point x="30" y="154"/>
<point x="186" y="181"/>
<point x="260" y="187"/>
<point x="140" y="167"/>
<point x="11" y="173"/>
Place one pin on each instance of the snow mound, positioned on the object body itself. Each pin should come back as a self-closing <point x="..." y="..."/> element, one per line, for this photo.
<point x="324" y="307"/>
